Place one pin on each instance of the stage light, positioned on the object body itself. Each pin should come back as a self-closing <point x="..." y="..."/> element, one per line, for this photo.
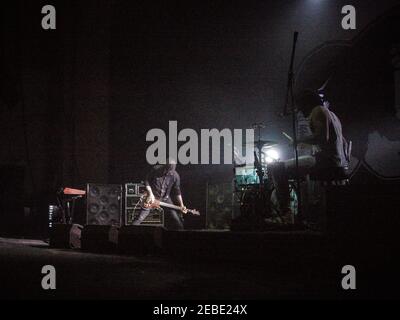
<point x="270" y="155"/>
<point x="268" y="160"/>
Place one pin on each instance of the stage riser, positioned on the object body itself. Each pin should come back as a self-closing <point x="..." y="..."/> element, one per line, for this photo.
<point x="245" y="247"/>
<point x="204" y="245"/>
<point x="140" y="240"/>
<point x="359" y="212"/>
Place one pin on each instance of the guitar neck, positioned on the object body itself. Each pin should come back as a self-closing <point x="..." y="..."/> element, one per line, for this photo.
<point x="172" y="206"/>
<point x="169" y="205"/>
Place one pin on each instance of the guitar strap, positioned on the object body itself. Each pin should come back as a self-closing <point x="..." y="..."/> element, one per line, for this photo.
<point x="164" y="186"/>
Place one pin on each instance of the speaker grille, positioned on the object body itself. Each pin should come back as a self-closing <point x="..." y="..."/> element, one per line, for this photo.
<point x="219" y="205"/>
<point x="104" y="204"/>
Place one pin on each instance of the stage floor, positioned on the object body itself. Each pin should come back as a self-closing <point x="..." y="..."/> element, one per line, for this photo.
<point x="287" y="269"/>
<point x="82" y="275"/>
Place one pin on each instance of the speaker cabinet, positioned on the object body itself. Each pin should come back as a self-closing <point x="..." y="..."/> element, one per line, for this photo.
<point x="133" y="194"/>
<point x="219" y="206"/>
<point x="104" y="204"/>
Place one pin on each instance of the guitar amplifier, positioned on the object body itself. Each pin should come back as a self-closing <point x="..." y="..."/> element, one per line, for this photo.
<point x="220" y="206"/>
<point x="133" y="194"/>
<point x="103" y="204"/>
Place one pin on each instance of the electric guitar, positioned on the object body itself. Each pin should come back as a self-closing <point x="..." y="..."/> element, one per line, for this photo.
<point x="157" y="204"/>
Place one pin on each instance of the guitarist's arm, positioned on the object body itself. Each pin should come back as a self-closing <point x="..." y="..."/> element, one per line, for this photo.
<point x="177" y="191"/>
<point x="150" y="193"/>
<point x="151" y="196"/>
<point x="180" y="203"/>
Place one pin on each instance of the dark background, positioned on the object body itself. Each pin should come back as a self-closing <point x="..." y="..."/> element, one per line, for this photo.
<point x="77" y="102"/>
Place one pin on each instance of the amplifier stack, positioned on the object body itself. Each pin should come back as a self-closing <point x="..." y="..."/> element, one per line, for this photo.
<point x="133" y="194"/>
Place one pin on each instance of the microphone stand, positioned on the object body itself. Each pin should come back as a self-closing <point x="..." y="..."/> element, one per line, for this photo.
<point x="290" y="105"/>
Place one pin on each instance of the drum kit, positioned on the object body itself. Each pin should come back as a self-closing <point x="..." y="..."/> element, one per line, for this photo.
<point x="254" y="190"/>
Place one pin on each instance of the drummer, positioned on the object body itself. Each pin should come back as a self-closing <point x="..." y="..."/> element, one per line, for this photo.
<point x="328" y="139"/>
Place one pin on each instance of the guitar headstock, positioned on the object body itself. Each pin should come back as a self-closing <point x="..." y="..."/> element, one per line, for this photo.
<point x="194" y="212"/>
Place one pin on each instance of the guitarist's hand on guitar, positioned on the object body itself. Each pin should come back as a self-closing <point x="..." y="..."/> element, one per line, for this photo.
<point x="184" y="209"/>
<point x="150" y="198"/>
<point x="146" y="204"/>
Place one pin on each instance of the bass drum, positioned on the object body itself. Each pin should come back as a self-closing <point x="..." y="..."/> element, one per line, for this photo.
<point x="254" y="204"/>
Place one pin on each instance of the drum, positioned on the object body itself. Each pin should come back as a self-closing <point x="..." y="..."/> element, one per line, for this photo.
<point x="254" y="202"/>
<point x="245" y="176"/>
<point x="254" y="208"/>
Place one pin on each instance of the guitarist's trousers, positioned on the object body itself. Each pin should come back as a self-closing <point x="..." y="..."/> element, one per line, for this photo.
<point x="172" y="220"/>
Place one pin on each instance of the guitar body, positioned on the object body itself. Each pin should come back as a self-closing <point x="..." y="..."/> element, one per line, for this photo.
<point x="156" y="204"/>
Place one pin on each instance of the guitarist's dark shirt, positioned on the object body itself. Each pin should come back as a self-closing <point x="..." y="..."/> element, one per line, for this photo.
<point x="163" y="182"/>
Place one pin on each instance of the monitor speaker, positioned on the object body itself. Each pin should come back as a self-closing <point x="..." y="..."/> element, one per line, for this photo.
<point x="66" y="236"/>
<point x="104" y="204"/>
<point x="101" y="239"/>
<point x="140" y="239"/>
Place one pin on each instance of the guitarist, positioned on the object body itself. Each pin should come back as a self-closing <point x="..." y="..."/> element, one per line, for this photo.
<point x="161" y="182"/>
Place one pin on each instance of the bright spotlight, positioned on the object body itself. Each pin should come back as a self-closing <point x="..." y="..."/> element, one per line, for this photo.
<point x="268" y="160"/>
<point x="270" y="155"/>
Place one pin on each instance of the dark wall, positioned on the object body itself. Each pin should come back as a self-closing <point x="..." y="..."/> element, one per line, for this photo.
<point x="56" y="98"/>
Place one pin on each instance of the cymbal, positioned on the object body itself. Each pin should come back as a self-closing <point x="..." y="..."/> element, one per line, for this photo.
<point x="263" y="143"/>
<point x="259" y="125"/>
